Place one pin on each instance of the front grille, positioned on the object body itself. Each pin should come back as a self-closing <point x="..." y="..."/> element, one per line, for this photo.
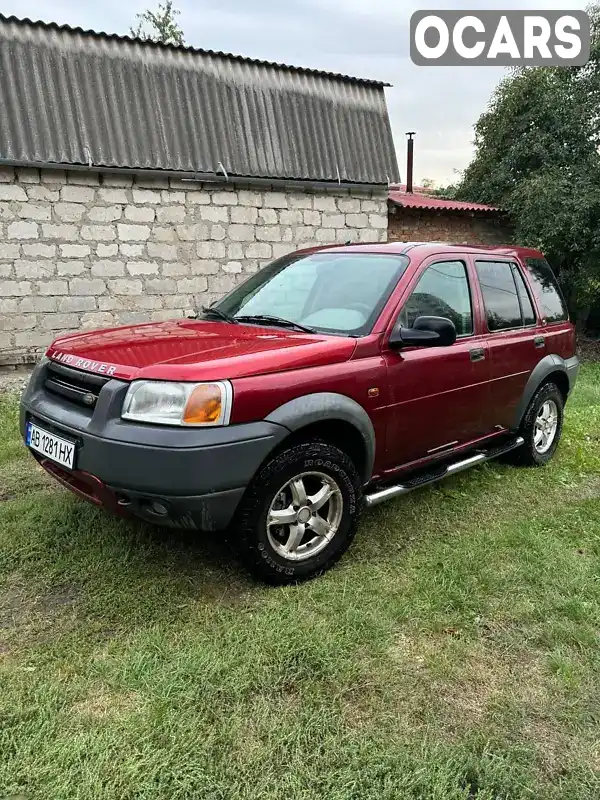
<point x="79" y="387"/>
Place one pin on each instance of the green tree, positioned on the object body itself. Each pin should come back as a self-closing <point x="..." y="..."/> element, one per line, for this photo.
<point x="160" y="25"/>
<point x="536" y="156"/>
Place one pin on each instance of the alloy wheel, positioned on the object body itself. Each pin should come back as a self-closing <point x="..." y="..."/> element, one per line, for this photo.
<point x="304" y="516"/>
<point x="546" y="426"/>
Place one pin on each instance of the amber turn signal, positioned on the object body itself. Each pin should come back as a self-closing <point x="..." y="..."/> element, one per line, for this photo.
<point x="204" y="405"/>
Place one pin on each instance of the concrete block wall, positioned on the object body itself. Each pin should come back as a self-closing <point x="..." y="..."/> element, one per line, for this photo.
<point x="81" y="250"/>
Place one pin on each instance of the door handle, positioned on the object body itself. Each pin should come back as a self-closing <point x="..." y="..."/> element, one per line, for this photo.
<point x="477" y="354"/>
<point x="539" y="341"/>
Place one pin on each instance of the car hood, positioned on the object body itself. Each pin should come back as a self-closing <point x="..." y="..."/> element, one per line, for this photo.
<point x="197" y="350"/>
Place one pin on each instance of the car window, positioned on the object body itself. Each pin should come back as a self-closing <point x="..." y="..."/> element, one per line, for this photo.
<point x="502" y="307"/>
<point x="442" y="291"/>
<point x="552" y="304"/>
<point x="332" y="292"/>
<point x="286" y="292"/>
<point x="526" y="304"/>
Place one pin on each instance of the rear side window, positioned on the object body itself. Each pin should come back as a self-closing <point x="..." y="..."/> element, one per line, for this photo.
<point x="526" y="304"/>
<point x="544" y="284"/>
<point x="502" y="306"/>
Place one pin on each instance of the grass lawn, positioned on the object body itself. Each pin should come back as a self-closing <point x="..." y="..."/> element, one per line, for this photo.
<point x="453" y="653"/>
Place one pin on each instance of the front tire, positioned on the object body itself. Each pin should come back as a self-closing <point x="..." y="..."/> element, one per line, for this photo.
<point x="299" y="514"/>
<point x="541" y="427"/>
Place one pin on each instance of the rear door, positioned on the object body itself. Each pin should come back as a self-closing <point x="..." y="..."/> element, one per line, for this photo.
<point x="558" y="332"/>
<point x="514" y="341"/>
<point x="437" y="393"/>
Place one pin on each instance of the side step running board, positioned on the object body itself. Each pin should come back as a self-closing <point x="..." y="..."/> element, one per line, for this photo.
<point x="380" y="496"/>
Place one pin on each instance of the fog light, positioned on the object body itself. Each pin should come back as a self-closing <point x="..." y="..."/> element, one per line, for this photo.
<point x="158" y="508"/>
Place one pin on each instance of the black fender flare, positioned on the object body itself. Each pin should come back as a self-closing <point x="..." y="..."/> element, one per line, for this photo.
<point x="550" y="364"/>
<point x="324" y="407"/>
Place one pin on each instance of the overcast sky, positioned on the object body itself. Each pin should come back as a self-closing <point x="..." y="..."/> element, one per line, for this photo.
<point x="366" y="38"/>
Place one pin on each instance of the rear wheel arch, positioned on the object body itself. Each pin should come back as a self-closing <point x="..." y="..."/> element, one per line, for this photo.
<point x="551" y="369"/>
<point x="541" y="427"/>
<point x="561" y="380"/>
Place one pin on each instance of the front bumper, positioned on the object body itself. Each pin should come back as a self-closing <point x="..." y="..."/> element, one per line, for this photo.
<point x="182" y="477"/>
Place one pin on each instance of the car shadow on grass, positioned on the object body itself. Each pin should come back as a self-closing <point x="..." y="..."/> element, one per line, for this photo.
<point x="121" y="573"/>
<point x="207" y="557"/>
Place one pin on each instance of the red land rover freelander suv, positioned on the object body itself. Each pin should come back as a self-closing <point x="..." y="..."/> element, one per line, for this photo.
<point x="334" y="377"/>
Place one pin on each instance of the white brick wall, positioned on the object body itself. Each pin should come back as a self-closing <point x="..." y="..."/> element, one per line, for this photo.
<point x="83" y="250"/>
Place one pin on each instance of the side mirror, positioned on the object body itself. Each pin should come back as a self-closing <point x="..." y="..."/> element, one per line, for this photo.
<point x="426" y="332"/>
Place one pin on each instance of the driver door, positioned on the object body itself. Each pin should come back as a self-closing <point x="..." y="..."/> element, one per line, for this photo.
<point x="437" y="393"/>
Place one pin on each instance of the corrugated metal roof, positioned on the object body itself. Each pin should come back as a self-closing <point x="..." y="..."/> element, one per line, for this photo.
<point x="70" y="96"/>
<point x="190" y="49"/>
<point x="435" y="203"/>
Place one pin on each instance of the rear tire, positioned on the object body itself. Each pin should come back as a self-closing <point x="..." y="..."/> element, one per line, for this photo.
<point x="541" y="428"/>
<point x="299" y="514"/>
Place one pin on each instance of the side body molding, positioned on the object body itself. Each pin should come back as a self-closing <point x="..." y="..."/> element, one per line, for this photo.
<point x="324" y="407"/>
<point x="548" y="365"/>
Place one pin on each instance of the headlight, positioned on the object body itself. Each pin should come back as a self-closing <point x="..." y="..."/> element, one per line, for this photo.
<point x="170" y="403"/>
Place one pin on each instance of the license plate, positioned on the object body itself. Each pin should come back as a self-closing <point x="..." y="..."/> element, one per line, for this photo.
<point x="51" y="446"/>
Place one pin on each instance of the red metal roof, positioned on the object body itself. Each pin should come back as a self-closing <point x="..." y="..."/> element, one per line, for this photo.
<point x="432" y="203"/>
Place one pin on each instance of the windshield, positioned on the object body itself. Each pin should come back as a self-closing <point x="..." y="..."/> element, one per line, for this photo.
<point x="339" y="293"/>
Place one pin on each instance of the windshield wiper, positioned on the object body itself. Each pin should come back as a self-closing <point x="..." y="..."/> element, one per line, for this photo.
<point x="216" y="312"/>
<point x="269" y="319"/>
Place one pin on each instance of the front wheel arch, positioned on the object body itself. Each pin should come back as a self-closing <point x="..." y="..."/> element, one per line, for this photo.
<point x="327" y="413"/>
<point x="336" y="432"/>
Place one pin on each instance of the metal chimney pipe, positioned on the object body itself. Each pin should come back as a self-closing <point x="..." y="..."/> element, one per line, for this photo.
<point x="409" y="161"/>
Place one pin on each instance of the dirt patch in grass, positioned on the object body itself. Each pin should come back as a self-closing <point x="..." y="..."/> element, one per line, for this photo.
<point x="590" y="490"/>
<point x="550" y="746"/>
<point x="20" y="476"/>
<point x="558" y="752"/>
<point x="106" y="704"/>
<point x="15" y="606"/>
<point x="463" y="688"/>
<point x="18" y="607"/>
<point x="464" y="681"/>
<point x="56" y="599"/>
